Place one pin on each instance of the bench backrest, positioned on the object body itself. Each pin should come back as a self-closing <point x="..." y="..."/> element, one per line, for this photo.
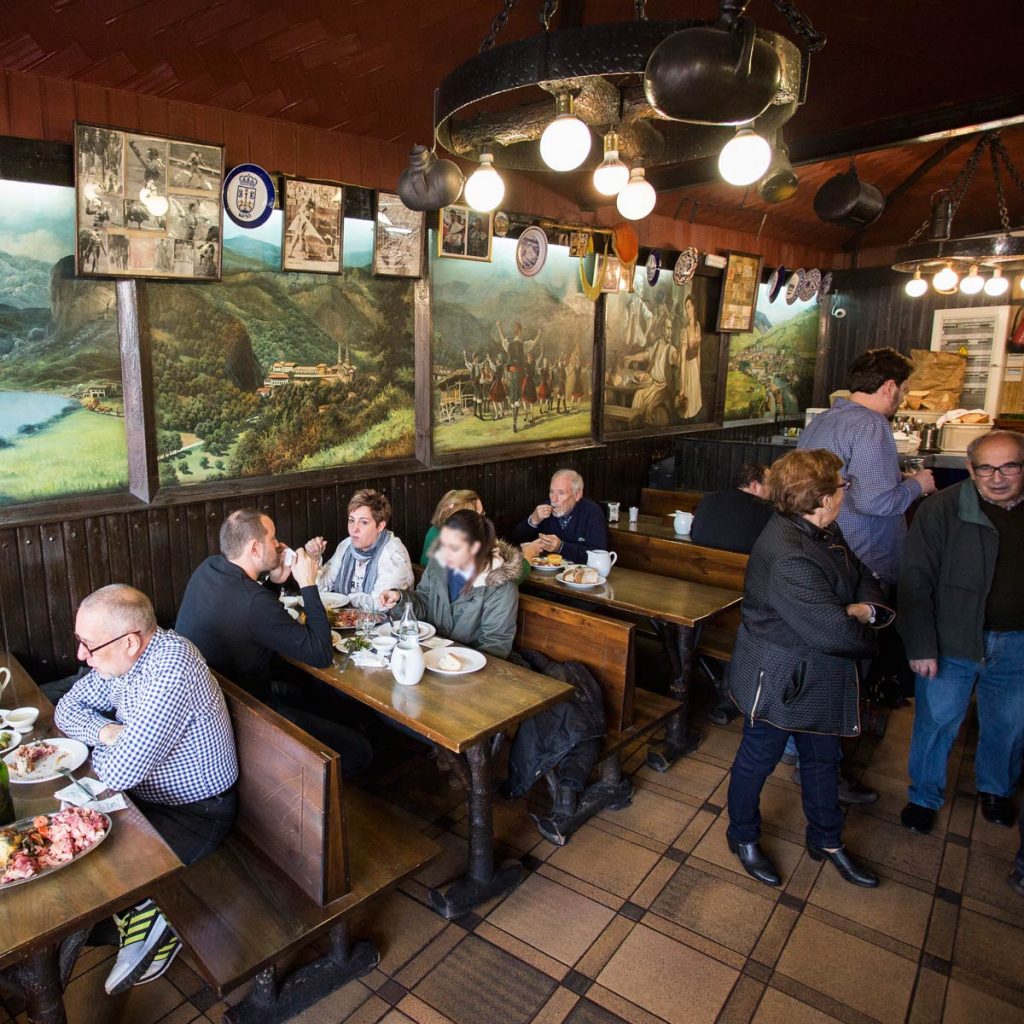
<point x="682" y="561"/>
<point x="289" y="797"/>
<point x="655" y="502"/>
<point x="604" y="645"/>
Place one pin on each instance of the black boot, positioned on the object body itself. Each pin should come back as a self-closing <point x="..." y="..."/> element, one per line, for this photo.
<point x="854" y="873"/>
<point x="564" y="805"/>
<point x="755" y="862"/>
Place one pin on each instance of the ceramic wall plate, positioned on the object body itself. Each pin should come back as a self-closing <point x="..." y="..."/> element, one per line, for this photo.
<point x="686" y="265"/>
<point x="653" y="267"/>
<point x="248" y="195"/>
<point x="793" y="286"/>
<point x="532" y="251"/>
<point x="826" y="285"/>
<point x="809" y="285"/>
<point x="775" y="280"/>
<point x="501" y="224"/>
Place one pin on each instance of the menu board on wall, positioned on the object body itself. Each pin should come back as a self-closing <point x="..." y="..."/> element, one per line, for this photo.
<point x="739" y="292"/>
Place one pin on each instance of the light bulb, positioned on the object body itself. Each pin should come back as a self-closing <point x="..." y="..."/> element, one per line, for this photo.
<point x="637" y="199"/>
<point x="612" y="174"/>
<point x="946" y="279"/>
<point x="972" y="283"/>
<point x="484" y="189"/>
<point x="996" y="284"/>
<point x="916" y="287"/>
<point x="565" y="143"/>
<point x="744" y="158"/>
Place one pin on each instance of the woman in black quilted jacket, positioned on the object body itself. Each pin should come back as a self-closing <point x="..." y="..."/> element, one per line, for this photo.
<point x="810" y="610"/>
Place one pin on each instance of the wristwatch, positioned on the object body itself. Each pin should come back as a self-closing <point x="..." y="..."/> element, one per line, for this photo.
<point x="874" y="615"/>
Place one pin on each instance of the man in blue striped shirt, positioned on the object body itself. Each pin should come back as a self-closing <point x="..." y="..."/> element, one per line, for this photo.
<point x="159" y="728"/>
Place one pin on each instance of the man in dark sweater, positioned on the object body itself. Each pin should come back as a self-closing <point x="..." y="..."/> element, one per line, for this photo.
<point x="733" y="519"/>
<point x="962" y="619"/>
<point x="567" y="523"/>
<point x="239" y="624"/>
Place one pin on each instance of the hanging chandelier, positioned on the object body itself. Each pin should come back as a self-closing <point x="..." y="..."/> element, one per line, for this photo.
<point x="957" y="263"/>
<point x="621" y="98"/>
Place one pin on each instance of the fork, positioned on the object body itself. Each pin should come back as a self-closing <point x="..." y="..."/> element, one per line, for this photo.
<point x="67" y="775"/>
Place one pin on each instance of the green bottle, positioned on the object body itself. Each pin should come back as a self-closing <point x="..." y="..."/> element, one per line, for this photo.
<point x="6" y="801"/>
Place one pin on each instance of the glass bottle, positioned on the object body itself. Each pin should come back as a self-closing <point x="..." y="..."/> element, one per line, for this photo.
<point x="408" y="627"/>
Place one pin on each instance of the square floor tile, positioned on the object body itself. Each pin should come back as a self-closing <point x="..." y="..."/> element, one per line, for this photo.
<point x="696" y="779"/>
<point x="986" y="880"/>
<point x="721" y="911"/>
<point x="991" y="948"/>
<point x="398" y="926"/>
<point x="478" y="982"/>
<point x="651" y="814"/>
<point x="552" y="918"/>
<point x="848" y="969"/>
<point x="667" y="978"/>
<point x="604" y="860"/>
<point x="893" y="846"/>
<point x="966" y="1005"/>
<point x="784" y="854"/>
<point x="778" y="1008"/>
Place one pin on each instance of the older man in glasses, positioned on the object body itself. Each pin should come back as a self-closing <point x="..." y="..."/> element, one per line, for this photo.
<point x="962" y="618"/>
<point x="159" y="728"/>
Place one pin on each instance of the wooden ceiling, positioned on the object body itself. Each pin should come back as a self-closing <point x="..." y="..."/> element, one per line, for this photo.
<point x="369" y="67"/>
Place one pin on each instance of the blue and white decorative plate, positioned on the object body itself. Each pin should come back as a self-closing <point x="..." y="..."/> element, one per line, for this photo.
<point x="248" y="195"/>
<point x="653" y="267"/>
<point x="686" y="265"/>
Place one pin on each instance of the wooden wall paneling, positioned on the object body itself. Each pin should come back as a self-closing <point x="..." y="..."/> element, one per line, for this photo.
<point x="119" y="549"/>
<point x="26" y="105"/>
<point x="214" y="513"/>
<point x="328" y="157"/>
<point x="209" y="124"/>
<point x="285" y="147"/>
<point x="179" y="558"/>
<point x="154" y="115"/>
<point x="91" y="102"/>
<point x="236" y="139"/>
<point x="58" y="110"/>
<point x="14" y="625"/>
<point x="139" y="552"/>
<point x="261" y="141"/>
<point x="181" y="119"/>
<point x="198" y="543"/>
<point x="123" y="108"/>
<point x="5" y="102"/>
<point x="306" y="155"/>
<point x="160" y="565"/>
<point x="369" y="162"/>
<point x="76" y="566"/>
<point x="37" y="616"/>
<point x="59" y="603"/>
<point x="95" y="533"/>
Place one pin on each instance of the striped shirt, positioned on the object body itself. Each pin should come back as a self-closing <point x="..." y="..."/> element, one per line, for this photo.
<point x="872" y="514"/>
<point x="177" y="746"/>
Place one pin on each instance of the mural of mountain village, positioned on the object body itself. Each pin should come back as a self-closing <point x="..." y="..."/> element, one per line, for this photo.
<point x="267" y="373"/>
<point x="771" y="369"/>
<point x="514" y="364"/>
<point x="61" y="414"/>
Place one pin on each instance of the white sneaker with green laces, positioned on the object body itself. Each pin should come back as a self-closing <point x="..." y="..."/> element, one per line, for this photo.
<point x="144" y="931"/>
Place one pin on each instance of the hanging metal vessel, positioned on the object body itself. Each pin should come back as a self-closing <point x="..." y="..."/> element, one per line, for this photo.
<point x="429" y="183"/>
<point x="845" y="199"/>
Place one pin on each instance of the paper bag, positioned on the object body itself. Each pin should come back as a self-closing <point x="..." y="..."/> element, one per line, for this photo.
<point x="936" y="380"/>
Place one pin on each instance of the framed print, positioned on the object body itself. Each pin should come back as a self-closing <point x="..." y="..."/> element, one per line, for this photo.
<point x="464" y="234"/>
<point x="739" y="292"/>
<point x="397" y="238"/>
<point x="611" y="278"/>
<point x="312" y="226"/>
<point x="579" y="243"/>
<point x="147" y="205"/>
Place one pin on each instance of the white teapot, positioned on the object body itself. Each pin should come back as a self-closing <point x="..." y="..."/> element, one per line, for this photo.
<point x="407" y="665"/>
<point x="602" y="561"/>
<point x="682" y="522"/>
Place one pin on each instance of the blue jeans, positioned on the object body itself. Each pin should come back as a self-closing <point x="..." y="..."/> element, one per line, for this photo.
<point x="758" y="754"/>
<point x="941" y="704"/>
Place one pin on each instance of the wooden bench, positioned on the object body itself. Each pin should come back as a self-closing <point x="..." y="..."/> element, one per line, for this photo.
<point x="300" y="860"/>
<point x="606" y="647"/>
<point x="698" y="564"/>
<point x="656" y="502"/>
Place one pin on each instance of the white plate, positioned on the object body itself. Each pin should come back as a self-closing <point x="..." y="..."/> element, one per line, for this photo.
<point x="13" y="738"/>
<point x="472" y="661"/>
<point x="550" y="568"/>
<point x="601" y="580"/>
<point x="426" y="630"/>
<point x="70" y="755"/>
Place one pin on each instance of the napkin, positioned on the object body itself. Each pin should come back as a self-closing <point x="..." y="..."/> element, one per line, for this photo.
<point x="71" y="794"/>
<point x="368" y="659"/>
<point x="437" y="641"/>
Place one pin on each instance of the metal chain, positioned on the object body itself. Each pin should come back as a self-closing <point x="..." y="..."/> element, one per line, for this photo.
<point x="1000" y="148"/>
<point x="500" y="21"/>
<point x="547" y="12"/>
<point x="801" y="25"/>
<point x="640" y="6"/>
<point x="1004" y="213"/>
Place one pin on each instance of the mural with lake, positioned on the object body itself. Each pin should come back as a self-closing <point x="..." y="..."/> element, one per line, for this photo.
<point x="61" y="415"/>
<point x="267" y="373"/>
<point x="512" y="356"/>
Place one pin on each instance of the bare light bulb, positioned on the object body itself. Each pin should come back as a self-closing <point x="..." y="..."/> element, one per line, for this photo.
<point x="637" y="199"/>
<point x="484" y="189"/>
<point x="612" y="174"/>
<point x="744" y="158"/>
<point x="946" y="279"/>
<point x="972" y="283"/>
<point x="997" y="284"/>
<point x="916" y="286"/>
<point x="565" y="143"/>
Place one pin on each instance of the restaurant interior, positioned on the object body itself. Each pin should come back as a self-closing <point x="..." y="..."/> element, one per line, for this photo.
<point x="253" y="259"/>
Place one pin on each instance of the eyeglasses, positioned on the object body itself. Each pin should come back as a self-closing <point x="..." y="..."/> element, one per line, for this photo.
<point x="93" y="650"/>
<point x="1006" y="469"/>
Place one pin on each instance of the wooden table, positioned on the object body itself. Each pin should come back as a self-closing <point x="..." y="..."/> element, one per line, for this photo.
<point x="676" y="609"/>
<point x="461" y="714"/>
<point x="36" y="916"/>
<point x="648" y="526"/>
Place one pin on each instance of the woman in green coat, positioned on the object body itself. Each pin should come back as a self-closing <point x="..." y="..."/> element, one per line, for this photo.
<point x="469" y="591"/>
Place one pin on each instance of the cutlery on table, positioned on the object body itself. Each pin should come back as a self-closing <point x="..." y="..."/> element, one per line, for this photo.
<point x="67" y="775"/>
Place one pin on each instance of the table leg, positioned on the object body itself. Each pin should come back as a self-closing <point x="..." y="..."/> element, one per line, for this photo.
<point x="680" y="643"/>
<point x="481" y="881"/>
<point x="39" y="975"/>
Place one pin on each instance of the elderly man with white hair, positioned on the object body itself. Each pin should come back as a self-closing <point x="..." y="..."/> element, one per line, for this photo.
<point x="567" y="523"/>
<point x="159" y="727"/>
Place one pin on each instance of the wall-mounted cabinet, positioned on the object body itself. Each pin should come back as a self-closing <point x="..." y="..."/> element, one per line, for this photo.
<point x="979" y="334"/>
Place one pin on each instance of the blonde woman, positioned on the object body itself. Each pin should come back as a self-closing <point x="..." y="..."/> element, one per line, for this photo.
<point x="452" y="502"/>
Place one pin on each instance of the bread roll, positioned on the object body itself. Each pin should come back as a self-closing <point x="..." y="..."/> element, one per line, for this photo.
<point x="449" y="663"/>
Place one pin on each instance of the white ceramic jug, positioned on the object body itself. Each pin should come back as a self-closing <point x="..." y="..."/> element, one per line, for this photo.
<point x="5" y="678"/>
<point x="602" y="561"/>
<point x="407" y="663"/>
<point x="682" y="522"/>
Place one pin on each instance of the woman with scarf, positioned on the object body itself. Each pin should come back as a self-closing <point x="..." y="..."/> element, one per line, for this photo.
<point x="370" y="561"/>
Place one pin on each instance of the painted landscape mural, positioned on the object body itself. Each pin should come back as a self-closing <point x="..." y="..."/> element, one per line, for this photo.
<point x="662" y="353"/>
<point x="771" y="369"/>
<point x="268" y="373"/>
<point x="512" y="357"/>
<point x="62" y="426"/>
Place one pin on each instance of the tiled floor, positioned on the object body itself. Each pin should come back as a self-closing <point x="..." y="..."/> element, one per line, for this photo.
<point x="646" y="917"/>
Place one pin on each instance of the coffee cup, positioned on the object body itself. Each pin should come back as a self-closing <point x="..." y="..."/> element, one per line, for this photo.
<point x="384" y="645"/>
